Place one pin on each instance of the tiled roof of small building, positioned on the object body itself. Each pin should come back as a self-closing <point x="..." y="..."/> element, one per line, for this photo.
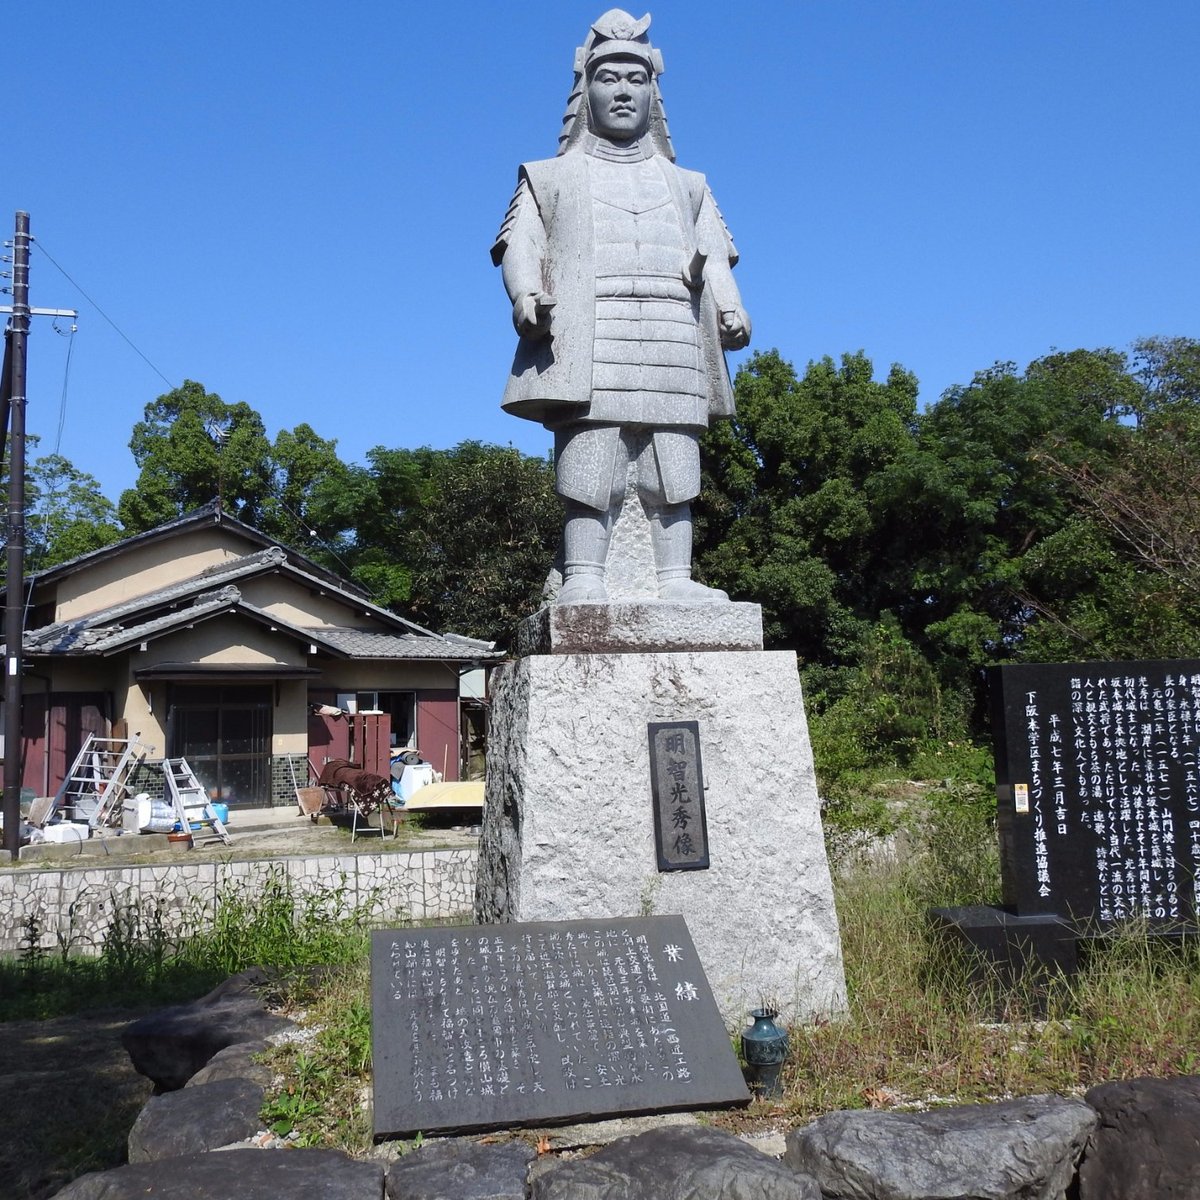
<point x="362" y="643"/>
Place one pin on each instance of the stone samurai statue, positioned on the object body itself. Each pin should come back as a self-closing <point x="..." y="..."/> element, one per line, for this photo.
<point x="618" y="266"/>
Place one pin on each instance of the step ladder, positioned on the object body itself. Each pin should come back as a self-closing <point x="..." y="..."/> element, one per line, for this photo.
<point x="95" y="788"/>
<point x="189" y="799"/>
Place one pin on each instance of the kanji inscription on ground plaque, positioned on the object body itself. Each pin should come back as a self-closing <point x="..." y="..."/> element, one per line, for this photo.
<point x="1098" y="789"/>
<point x="677" y="785"/>
<point x="481" y="1026"/>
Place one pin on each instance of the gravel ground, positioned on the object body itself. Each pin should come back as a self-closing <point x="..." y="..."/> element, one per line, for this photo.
<point x="275" y="833"/>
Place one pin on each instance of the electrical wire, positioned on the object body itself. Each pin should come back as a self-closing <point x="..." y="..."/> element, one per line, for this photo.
<point x="287" y="508"/>
<point x="62" y="404"/>
<point x="128" y="341"/>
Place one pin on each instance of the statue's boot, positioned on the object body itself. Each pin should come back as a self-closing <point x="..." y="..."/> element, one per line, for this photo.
<point x="585" y="550"/>
<point x="671" y="537"/>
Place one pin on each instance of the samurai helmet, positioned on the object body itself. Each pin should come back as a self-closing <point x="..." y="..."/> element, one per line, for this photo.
<point x="615" y="35"/>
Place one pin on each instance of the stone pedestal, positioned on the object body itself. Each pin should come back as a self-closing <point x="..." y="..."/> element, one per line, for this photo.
<point x="569" y="826"/>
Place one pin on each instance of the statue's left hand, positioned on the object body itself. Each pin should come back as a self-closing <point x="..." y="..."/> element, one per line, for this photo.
<point x="735" y="329"/>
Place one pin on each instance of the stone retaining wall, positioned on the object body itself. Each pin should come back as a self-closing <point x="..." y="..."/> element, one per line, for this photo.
<point x="80" y="906"/>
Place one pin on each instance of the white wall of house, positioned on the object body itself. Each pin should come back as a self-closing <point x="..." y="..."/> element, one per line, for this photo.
<point x="145" y="568"/>
<point x="292" y="601"/>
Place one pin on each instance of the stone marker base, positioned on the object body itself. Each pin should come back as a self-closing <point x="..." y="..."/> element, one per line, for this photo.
<point x="569" y="830"/>
<point x="636" y="626"/>
<point x="1011" y="951"/>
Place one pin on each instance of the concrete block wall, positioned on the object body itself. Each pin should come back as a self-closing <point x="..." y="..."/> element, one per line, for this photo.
<point x="79" y="905"/>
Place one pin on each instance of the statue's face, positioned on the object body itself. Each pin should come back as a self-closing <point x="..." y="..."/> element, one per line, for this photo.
<point x="619" y="98"/>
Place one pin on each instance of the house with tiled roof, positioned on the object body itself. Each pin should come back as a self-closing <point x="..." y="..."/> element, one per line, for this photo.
<point x="211" y="641"/>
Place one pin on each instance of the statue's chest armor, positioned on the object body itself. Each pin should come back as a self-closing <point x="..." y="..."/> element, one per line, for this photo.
<point x="635" y="222"/>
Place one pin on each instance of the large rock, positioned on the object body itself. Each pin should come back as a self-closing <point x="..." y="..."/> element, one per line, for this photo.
<point x="459" y="1170"/>
<point x="675" y="1164"/>
<point x="569" y="823"/>
<point x="195" y="1119"/>
<point x="236" y="1062"/>
<point x="1017" y="1150"/>
<point x="236" y="1175"/>
<point x="171" y="1045"/>
<point x="1147" y="1144"/>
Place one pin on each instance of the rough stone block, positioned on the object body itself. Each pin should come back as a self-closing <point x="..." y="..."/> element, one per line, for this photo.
<point x="463" y="1170"/>
<point x="246" y="1174"/>
<point x="195" y="1119"/>
<point x="1017" y="1150"/>
<point x="235" y="1062"/>
<point x="171" y="1045"/>
<point x="569" y="825"/>
<point x="1147" y="1143"/>
<point x="674" y="1164"/>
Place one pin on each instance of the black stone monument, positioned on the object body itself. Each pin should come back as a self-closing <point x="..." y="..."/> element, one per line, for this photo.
<point x="1098" y="807"/>
<point x="1098" y="791"/>
<point x="487" y="1026"/>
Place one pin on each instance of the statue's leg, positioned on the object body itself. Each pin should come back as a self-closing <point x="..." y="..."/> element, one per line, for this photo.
<point x="588" y="461"/>
<point x="585" y="550"/>
<point x="668" y="478"/>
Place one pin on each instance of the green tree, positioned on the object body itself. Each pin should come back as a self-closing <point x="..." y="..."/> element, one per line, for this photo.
<point x="790" y="513"/>
<point x="490" y="535"/>
<point x="191" y="445"/>
<point x="976" y="498"/>
<point x="66" y="513"/>
<point x="310" y="504"/>
<point x="1122" y="577"/>
<point x="467" y="535"/>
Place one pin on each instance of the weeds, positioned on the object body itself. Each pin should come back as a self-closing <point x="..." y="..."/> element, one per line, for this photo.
<point x="151" y="956"/>
<point x="325" y="1095"/>
<point x="928" y="1024"/>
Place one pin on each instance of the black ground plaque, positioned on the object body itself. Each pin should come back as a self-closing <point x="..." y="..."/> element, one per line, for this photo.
<point x="677" y="784"/>
<point x="1098" y="789"/>
<point x="482" y="1026"/>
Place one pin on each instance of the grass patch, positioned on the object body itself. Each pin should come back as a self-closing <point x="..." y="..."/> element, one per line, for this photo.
<point x="46" y="1054"/>
<point x="924" y="1028"/>
<point x="921" y="1028"/>
<point x="325" y="1097"/>
<point x="151" y="957"/>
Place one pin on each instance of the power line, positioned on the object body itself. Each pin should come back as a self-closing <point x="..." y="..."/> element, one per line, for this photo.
<point x="62" y="404"/>
<point x="128" y="341"/>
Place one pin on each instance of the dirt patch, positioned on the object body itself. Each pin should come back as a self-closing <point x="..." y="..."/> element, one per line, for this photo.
<point x="69" y="1096"/>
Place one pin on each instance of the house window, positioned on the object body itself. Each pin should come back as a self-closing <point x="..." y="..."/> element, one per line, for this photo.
<point x="400" y="706"/>
<point x="224" y="732"/>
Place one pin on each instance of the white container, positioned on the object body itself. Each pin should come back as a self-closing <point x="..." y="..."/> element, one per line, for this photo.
<point x="66" y="833"/>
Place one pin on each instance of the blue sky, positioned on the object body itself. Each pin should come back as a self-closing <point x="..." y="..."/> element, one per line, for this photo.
<point x="293" y="202"/>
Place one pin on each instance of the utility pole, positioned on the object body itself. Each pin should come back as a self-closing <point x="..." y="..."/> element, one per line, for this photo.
<point x="12" y="390"/>
<point x="14" y="584"/>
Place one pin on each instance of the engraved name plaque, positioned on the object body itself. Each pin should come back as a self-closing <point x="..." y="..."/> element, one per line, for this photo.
<point x="677" y="784"/>
<point x="482" y="1026"/>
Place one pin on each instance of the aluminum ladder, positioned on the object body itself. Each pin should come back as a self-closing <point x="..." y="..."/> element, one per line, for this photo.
<point x="190" y="800"/>
<point x="95" y="788"/>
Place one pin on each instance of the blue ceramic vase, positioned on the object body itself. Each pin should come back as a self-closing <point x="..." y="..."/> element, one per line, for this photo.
<point x="764" y="1047"/>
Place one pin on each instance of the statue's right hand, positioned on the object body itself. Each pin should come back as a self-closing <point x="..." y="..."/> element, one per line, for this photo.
<point x="531" y="314"/>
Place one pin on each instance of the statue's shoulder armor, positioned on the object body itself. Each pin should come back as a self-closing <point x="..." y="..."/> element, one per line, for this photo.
<point x="547" y="176"/>
<point x="535" y="184"/>
<point x="698" y="190"/>
<point x="693" y="184"/>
